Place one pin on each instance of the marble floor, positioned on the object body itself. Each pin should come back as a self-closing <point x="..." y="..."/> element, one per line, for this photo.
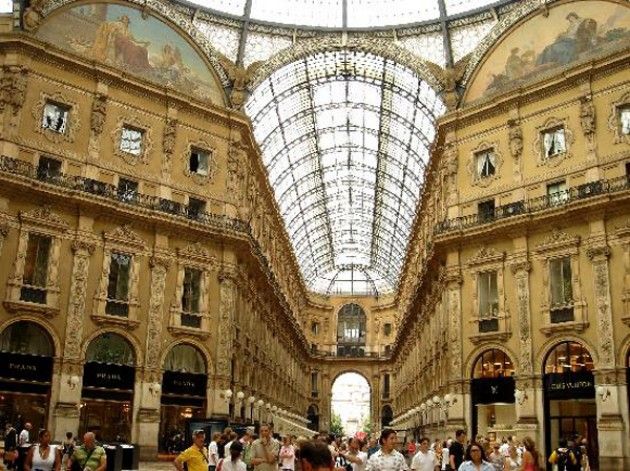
<point x="157" y="466"/>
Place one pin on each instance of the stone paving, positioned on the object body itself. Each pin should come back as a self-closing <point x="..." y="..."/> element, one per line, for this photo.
<point x="157" y="466"/>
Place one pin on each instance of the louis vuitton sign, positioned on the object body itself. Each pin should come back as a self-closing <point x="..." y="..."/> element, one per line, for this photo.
<point x="492" y="390"/>
<point x="580" y="385"/>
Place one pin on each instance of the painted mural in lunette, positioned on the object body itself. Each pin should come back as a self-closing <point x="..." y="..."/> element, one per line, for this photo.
<point x="119" y="35"/>
<point x="570" y="33"/>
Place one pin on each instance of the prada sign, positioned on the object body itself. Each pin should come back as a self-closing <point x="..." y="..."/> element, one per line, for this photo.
<point x="579" y="385"/>
<point x="108" y="376"/>
<point x="492" y="390"/>
<point x="184" y="384"/>
<point x="33" y="368"/>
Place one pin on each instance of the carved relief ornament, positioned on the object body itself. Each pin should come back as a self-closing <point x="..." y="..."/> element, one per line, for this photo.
<point x="13" y="87"/>
<point x="73" y="122"/>
<point x="99" y="113"/>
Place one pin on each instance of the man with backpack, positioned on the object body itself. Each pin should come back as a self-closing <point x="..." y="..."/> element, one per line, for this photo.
<point x="562" y="457"/>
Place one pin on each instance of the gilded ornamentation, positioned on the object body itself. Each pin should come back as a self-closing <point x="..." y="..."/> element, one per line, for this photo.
<point x="475" y="169"/>
<point x="73" y="121"/>
<point x="13" y="87"/>
<point x="32" y="17"/>
<point x="239" y="77"/>
<point x="146" y="145"/>
<point x="614" y="123"/>
<point x="202" y="145"/>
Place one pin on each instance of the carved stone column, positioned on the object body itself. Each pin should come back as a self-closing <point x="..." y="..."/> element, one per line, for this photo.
<point x="598" y="255"/>
<point x="66" y="412"/>
<point x="456" y="381"/>
<point x="148" y="415"/>
<point x="4" y="232"/>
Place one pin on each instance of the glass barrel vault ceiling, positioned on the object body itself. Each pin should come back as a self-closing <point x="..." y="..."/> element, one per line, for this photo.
<point x="357" y="13"/>
<point x="345" y="138"/>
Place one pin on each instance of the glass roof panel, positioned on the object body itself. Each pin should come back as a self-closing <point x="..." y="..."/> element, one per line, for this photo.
<point x="233" y="7"/>
<point x="345" y="145"/>
<point x="455" y="7"/>
<point x="300" y="12"/>
<point x="368" y="13"/>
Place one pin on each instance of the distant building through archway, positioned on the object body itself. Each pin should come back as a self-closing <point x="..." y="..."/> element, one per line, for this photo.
<point x="351" y="396"/>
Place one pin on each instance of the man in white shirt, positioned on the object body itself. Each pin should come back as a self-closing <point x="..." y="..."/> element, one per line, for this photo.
<point x="25" y="437"/>
<point x="387" y="458"/>
<point x="213" y="451"/>
<point x="355" y="456"/>
<point x="425" y="459"/>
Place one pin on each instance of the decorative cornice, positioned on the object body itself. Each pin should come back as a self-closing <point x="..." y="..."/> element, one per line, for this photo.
<point x="558" y="240"/>
<point x="44" y="216"/>
<point x="485" y="256"/>
<point x="598" y="253"/>
<point x="125" y="236"/>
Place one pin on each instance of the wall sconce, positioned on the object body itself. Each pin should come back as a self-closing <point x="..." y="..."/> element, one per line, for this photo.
<point x="603" y="392"/>
<point x="260" y="403"/>
<point x="155" y="388"/>
<point x="227" y="395"/>
<point x="436" y="400"/>
<point x="251" y="399"/>
<point x="520" y="396"/>
<point x="268" y="406"/>
<point x="423" y="407"/>
<point x="450" y="399"/>
<point x="73" y="381"/>
<point x="240" y="396"/>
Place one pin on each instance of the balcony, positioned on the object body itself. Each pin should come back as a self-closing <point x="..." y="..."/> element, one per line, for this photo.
<point x="190" y="319"/>
<point x="534" y="205"/>
<point x="116" y="307"/>
<point x="558" y="314"/>
<point x="33" y="294"/>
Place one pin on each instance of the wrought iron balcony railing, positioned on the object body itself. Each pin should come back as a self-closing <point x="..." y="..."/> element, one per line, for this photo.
<point x="110" y="192"/>
<point x="541" y="203"/>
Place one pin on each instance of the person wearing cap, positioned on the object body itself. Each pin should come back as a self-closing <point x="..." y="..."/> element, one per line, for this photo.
<point x="195" y="457"/>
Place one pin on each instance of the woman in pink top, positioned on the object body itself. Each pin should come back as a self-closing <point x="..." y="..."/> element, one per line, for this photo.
<point x="531" y="458"/>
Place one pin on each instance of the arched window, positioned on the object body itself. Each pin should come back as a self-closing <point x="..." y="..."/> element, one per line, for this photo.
<point x="493" y="364"/>
<point x="568" y="357"/>
<point x="351" y="331"/>
<point x="387" y="415"/>
<point x="184" y="358"/>
<point x="110" y="348"/>
<point x="312" y="414"/>
<point x="26" y="338"/>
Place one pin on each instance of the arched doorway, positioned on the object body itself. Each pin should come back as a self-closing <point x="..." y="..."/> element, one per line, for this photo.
<point x="184" y="386"/>
<point x="350" y="403"/>
<point x="351" y="323"/>
<point x="569" y="397"/>
<point x="108" y="383"/>
<point x="387" y="415"/>
<point x="312" y="414"/>
<point x="492" y="394"/>
<point x="26" y="368"/>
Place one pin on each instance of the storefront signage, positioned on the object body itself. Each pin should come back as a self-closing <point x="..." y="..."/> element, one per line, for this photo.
<point x="15" y="366"/>
<point x="184" y="384"/>
<point x="108" y="376"/>
<point x="570" y="385"/>
<point x="492" y="390"/>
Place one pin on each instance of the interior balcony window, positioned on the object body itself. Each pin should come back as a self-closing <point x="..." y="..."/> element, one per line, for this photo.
<point x="557" y="193"/>
<point x="118" y="285"/>
<point x="561" y="290"/>
<point x="55" y="117"/>
<point x="485" y="209"/>
<point x="127" y="190"/>
<point x="485" y="163"/>
<point x="191" y="296"/>
<point x="196" y="208"/>
<point x="488" y="301"/>
<point x="34" y="280"/>
<point x="314" y="386"/>
<point x="624" y="120"/>
<point x="315" y="328"/>
<point x="48" y="168"/>
<point x="387" y="329"/>
<point x="131" y="140"/>
<point x="554" y="142"/>
<point x="386" y="386"/>
<point x="198" y="161"/>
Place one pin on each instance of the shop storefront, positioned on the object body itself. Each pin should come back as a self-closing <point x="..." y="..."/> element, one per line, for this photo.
<point x="492" y="395"/>
<point x="26" y="368"/>
<point x="184" y="385"/>
<point x="569" y="397"/>
<point x="108" y="384"/>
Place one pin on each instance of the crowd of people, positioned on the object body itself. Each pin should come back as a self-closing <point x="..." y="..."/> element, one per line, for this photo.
<point x="270" y="452"/>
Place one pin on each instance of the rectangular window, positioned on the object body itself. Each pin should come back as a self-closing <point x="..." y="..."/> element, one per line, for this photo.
<point x="557" y="193"/>
<point x="624" y="120"/>
<point x="488" y="301"/>
<point x="553" y="142"/>
<point x="191" y="296"/>
<point x="198" y="162"/>
<point x="314" y="388"/>
<point x="127" y="190"/>
<point x="48" y="168"/>
<point x="195" y="208"/>
<point x="118" y="286"/>
<point x="485" y="163"/>
<point x="36" y="269"/>
<point x="388" y="349"/>
<point x="55" y="117"/>
<point x="485" y="209"/>
<point x="386" y="386"/>
<point x="131" y="140"/>
<point x="561" y="290"/>
<point x="315" y="328"/>
<point x="387" y="329"/>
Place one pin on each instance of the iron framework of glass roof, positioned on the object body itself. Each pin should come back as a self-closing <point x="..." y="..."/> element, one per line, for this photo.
<point x="345" y="137"/>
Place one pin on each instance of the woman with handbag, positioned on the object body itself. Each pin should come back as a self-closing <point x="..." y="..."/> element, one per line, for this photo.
<point x="43" y="456"/>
